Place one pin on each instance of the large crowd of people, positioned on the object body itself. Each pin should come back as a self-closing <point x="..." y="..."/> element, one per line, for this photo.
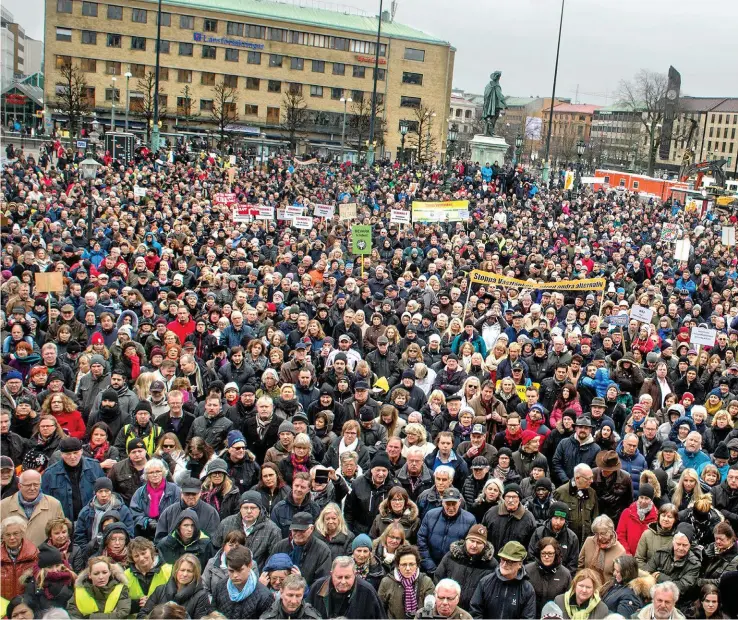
<point x="206" y="417"/>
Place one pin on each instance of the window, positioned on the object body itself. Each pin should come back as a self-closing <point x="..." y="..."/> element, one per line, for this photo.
<point x="253" y="58"/>
<point x="230" y="81"/>
<point x="414" y="54"/>
<point x="275" y="60"/>
<point x="187" y="22"/>
<point x="467" y="114"/>
<point x="208" y="51"/>
<point x="339" y="68"/>
<point x="63" y="61"/>
<point x="380" y="74"/>
<point x="231" y="55"/>
<point x="316" y="91"/>
<point x="234" y="29"/>
<point x="359" y="72"/>
<point x="636" y="184"/>
<point x="251" y="110"/>
<point x="112" y="67"/>
<point x="163" y="74"/>
<point x="89" y="9"/>
<point x="63" y="6"/>
<point x="89" y="37"/>
<point x="380" y="98"/>
<point x="115" y="12"/>
<point x="111" y="93"/>
<point x="210" y="25"/>
<point x="185" y="49"/>
<point x="273" y="115"/>
<point x="298" y="64"/>
<point x="138" y="43"/>
<point x="339" y="43"/>
<point x="165" y="46"/>
<point x="138" y="16"/>
<point x="114" y="40"/>
<point x="88" y="65"/>
<point x="318" y="66"/>
<point x="89" y="96"/>
<point x="207" y="79"/>
<point x="63" y="34"/>
<point x="254" y="32"/>
<point x="357" y="95"/>
<point x="409" y="102"/>
<point x="166" y="19"/>
<point x="184" y="105"/>
<point x="295" y="88"/>
<point x="139" y="71"/>
<point x="184" y="76"/>
<point x="274" y="86"/>
<point x="277" y="34"/>
<point x="412" y="78"/>
<point x="336" y="93"/>
<point x="206" y="105"/>
<point x="252" y="83"/>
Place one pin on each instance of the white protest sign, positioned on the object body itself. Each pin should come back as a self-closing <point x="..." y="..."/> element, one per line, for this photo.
<point x="325" y="211"/>
<point x="243" y="212"/>
<point x="293" y="211"/>
<point x="347" y="211"/>
<point x="304" y="222"/>
<point x="703" y="336"/>
<point x="232" y="160"/>
<point x="265" y="213"/>
<point x="399" y="216"/>
<point x="281" y="215"/>
<point x="728" y="236"/>
<point x="139" y="191"/>
<point x="641" y="313"/>
<point x="681" y="252"/>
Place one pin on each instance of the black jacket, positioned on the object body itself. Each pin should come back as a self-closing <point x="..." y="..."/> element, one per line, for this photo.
<point x="276" y="612"/>
<point x="362" y="602"/>
<point x="262" y="539"/>
<point x="465" y="569"/>
<point x="497" y="597"/>
<point x="503" y="526"/>
<point x="314" y="562"/>
<point x="165" y="422"/>
<point x="567" y="540"/>
<point x="547" y="583"/>
<point x="259" y="445"/>
<point x="362" y="505"/>
<point x="253" y="606"/>
<point x="192" y="597"/>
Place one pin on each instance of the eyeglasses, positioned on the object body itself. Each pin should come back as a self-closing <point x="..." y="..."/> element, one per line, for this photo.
<point x="238" y="448"/>
<point x="548" y="554"/>
<point x="168" y="446"/>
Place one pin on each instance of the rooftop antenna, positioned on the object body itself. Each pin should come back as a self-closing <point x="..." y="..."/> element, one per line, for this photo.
<point x="394" y="8"/>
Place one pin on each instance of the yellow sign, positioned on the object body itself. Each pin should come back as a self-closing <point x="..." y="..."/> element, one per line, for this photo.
<point x="520" y="389"/>
<point x="487" y="277"/>
<point x="448" y="211"/>
<point x="568" y="179"/>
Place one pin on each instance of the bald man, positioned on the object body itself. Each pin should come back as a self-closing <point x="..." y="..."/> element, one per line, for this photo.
<point x="32" y="505"/>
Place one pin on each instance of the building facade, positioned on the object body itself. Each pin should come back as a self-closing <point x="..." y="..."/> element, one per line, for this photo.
<point x="571" y="122"/>
<point x="264" y="50"/>
<point x="464" y="116"/>
<point x="618" y="138"/>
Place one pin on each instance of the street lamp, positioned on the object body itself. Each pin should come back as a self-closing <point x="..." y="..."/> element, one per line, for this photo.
<point x="453" y="134"/>
<point x="88" y="168"/>
<point x="129" y="75"/>
<point x="404" y="127"/>
<point x="518" y="144"/>
<point x="370" y="146"/>
<point x="155" y="131"/>
<point x="112" y="106"/>
<point x="546" y="160"/>
<point x="581" y="147"/>
<point x="430" y="117"/>
<point x="345" y="101"/>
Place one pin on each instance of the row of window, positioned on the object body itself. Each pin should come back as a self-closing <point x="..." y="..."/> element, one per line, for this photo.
<point x="727" y="119"/>
<point x="727" y="146"/>
<point x="715" y="132"/>
<point x="251" y="31"/>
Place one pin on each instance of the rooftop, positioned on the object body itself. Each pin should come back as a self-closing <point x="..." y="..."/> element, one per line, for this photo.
<point x="309" y="16"/>
<point x="576" y="108"/>
<point x="519" y="102"/>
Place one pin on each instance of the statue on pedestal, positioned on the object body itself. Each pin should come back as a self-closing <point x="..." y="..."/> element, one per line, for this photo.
<point x="494" y="103"/>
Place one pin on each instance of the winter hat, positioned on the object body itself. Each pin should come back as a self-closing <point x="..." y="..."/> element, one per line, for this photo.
<point x="541" y="462"/>
<point x="513" y="488"/>
<point x="103" y="483"/>
<point x="380" y="459"/>
<point x="528" y="436"/>
<point x="135" y="444"/>
<point x="230" y="386"/>
<point x="687" y="530"/>
<point x="543" y="483"/>
<point x="216" y="465"/>
<point x="13" y="374"/>
<point x="252" y="497"/>
<point x="558" y="509"/>
<point x="111" y="395"/>
<point x="70" y="444"/>
<point x="646" y="490"/>
<point x="97" y="338"/>
<point x="721" y="451"/>
<point x="286" y="427"/>
<point x="366" y="414"/>
<point x="551" y="611"/>
<point x="478" y="532"/>
<point x="49" y="556"/>
<point x="278" y="561"/>
<point x="362" y="540"/>
<point x="235" y="437"/>
<point x="143" y="405"/>
<point x="97" y="359"/>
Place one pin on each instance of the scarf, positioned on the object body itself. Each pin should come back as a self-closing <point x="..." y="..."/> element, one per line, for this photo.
<point x="155" y="494"/>
<point x="55" y="581"/>
<point x="643" y="513"/>
<point x="29" y="507"/>
<point x="212" y="497"/>
<point x="99" y="453"/>
<point x="511" y="439"/>
<point x="342" y="447"/>
<point x="100" y="510"/>
<point x="501" y="472"/>
<point x="298" y="465"/>
<point x="363" y="569"/>
<point x="261" y="426"/>
<point x="238" y="596"/>
<point x="465" y="431"/>
<point x="121" y="558"/>
<point x="409" y="595"/>
<point x="64" y="549"/>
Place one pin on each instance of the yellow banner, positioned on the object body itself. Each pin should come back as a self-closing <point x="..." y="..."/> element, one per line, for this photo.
<point x="487" y="277"/>
<point x="520" y="389"/>
<point x="448" y="211"/>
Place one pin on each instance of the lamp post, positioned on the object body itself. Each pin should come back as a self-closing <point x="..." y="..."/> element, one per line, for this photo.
<point x="581" y="147"/>
<point x="112" y="106"/>
<point x="155" y="128"/>
<point x="518" y="145"/>
<point x="345" y="101"/>
<point x="453" y="134"/>
<point x="546" y="161"/>
<point x="129" y="75"/>
<point x="403" y="132"/>
<point x="428" y="136"/>
<point x="370" y="146"/>
<point x="88" y="168"/>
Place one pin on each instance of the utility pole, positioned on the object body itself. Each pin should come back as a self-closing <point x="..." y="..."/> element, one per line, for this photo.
<point x="155" y="128"/>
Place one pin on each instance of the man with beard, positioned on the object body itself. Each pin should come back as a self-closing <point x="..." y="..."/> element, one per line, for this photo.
<point x="127" y="398"/>
<point x="108" y="411"/>
<point x="557" y="527"/>
<point x="244" y="409"/>
<point x="241" y="463"/>
<point x="126" y="474"/>
<point x="262" y="430"/>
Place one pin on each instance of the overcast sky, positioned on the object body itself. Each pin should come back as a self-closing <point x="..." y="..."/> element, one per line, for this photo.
<point x="602" y="41"/>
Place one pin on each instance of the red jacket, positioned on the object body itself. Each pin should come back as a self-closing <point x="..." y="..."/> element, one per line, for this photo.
<point x="11" y="572"/>
<point x="182" y="331"/>
<point x="631" y="528"/>
<point x="72" y="423"/>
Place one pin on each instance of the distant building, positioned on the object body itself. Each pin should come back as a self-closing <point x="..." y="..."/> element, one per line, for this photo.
<point x="617" y="138"/>
<point x="464" y="115"/>
<point x="571" y="122"/>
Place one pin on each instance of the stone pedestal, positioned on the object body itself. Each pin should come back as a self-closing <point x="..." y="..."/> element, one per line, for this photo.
<point x="489" y="149"/>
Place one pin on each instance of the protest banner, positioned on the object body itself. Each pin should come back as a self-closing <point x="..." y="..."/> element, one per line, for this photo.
<point x="728" y="236"/>
<point x="448" y="211"/>
<point x="265" y="213"/>
<point x="569" y="179"/>
<point x="281" y="215"/>
<point x="361" y="239"/>
<point x="325" y="211"/>
<point x="304" y="222"/>
<point x="139" y="191"/>
<point x="670" y="232"/>
<point x="244" y="212"/>
<point x="487" y="277"/>
<point x="399" y="216"/>
<point x="225" y="199"/>
<point x="681" y="252"/>
<point x="618" y="320"/>
<point x="347" y="211"/>
<point x="703" y="336"/>
<point x="293" y="211"/>
<point x="641" y="313"/>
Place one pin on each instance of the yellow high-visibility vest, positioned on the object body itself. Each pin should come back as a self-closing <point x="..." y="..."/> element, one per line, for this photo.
<point x="159" y="579"/>
<point x="149" y="440"/>
<point x="88" y="605"/>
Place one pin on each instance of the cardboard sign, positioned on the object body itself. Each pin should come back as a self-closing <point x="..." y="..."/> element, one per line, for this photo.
<point x="361" y="239"/>
<point x="244" y="213"/>
<point x="225" y="199"/>
<point x="703" y="336"/>
<point x="681" y="252"/>
<point x="49" y="282"/>
<point x="81" y="144"/>
<point x="347" y="211"/>
<point x="281" y="215"/>
<point x="305" y="222"/>
<point x="139" y="191"/>
<point x="399" y="216"/>
<point x="728" y="236"/>
<point x="641" y="313"/>
<point x="325" y="211"/>
<point x="292" y="212"/>
<point x="265" y="213"/>
<point x="670" y="232"/>
<point x="232" y="160"/>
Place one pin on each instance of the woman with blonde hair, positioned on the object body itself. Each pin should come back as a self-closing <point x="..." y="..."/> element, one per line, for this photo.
<point x="582" y="600"/>
<point x="455" y="327"/>
<point x="721" y="427"/>
<point x="101" y="591"/>
<point x="142" y="385"/>
<point x="391" y="420"/>
<point x="416" y="435"/>
<point x="436" y="405"/>
<point x="385" y="547"/>
<point x="601" y="549"/>
<point x="331" y="528"/>
<point x="688" y="489"/>
<point x="184" y="588"/>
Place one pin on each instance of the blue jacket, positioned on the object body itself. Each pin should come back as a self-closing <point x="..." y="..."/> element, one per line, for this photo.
<point x="634" y="465"/>
<point x="83" y="533"/>
<point x="457" y="464"/>
<point x="55" y="482"/>
<point x="694" y="460"/>
<point x="476" y="341"/>
<point x="232" y="338"/>
<point x="568" y="454"/>
<point x="437" y="532"/>
<point x="140" y="503"/>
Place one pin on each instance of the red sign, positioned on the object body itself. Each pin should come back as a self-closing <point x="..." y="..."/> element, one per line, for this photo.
<point x="14" y="99"/>
<point x="382" y="61"/>
<point x="224" y="199"/>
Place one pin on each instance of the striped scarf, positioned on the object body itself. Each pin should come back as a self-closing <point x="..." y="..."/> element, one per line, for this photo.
<point x="410" y="596"/>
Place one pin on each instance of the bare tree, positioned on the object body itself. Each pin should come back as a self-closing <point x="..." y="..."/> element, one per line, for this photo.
<point x="645" y="94"/>
<point x="295" y="116"/>
<point x="225" y="108"/>
<point x="359" y="122"/>
<point x="185" y="111"/>
<point x="144" y="106"/>
<point x="421" y="136"/>
<point x="71" y="97"/>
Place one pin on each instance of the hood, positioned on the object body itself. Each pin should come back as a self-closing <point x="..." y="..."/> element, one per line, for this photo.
<point x="187" y="513"/>
<point x="409" y="515"/>
<point x="458" y="552"/>
<point x="642" y="585"/>
<point x="83" y="579"/>
<point x="134" y="321"/>
<point x="115" y="527"/>
<point x="647" y="476"/>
